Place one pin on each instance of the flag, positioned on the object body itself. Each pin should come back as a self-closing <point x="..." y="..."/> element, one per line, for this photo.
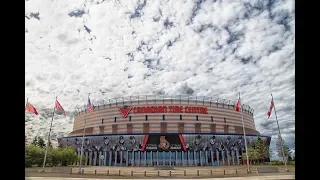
<point x="32" y="109"/>
<point x="59" y="109"/>
<point x="270" y="109"/>
<point x="90" y="108"/>
<point x="238" y="106"/>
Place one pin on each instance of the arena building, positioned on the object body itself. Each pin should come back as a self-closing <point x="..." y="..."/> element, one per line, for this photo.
<point x="161" y="130"/>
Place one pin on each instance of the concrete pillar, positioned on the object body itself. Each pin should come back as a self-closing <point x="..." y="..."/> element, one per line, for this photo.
<point x="95" y="154"/>
<point x="188" y="158"/>
<point x="90" y="158"/>
<point x="194" y="158"/>
<point x="207" y="163"/>
<point x="99" y="157"/>
<point x="238" y="159"/>
<point x="151" y="158"/>
<point x="115" y="158"/>
<point x="218" y="159"/>
<point x="232" y="155"/>
<point x="121" y="158"/>
<point x="170" y="158"/>
<point x="133" y="160"/>
<point x="222" y="154"/>
<point x="212" y="159"/>
<point x="228" y="157"/>
<point x="105" y="158"/>
<point x="110" y="157"/>
<point x="200" y="156"/>
<point x="87" y="157"/>
<point x="157" y="158"/>
<point x="182" y="154"/>
<point x="139" y="158"/>
<point x="127" y="158"/>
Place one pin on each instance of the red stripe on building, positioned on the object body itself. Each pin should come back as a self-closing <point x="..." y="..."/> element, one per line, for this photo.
<point x="145" y="140"/>
<point x="182" y="142"/>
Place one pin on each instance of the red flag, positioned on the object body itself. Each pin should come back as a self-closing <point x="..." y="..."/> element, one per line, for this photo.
<point x="30" y="108"/>
<point x="59" y="108"/>
<point x="90" y="108"/>
<point x="270" y="109"/>
<point x="238" y="106"/>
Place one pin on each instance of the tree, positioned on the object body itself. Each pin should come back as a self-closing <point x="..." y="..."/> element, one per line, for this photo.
<point x="279" y="149"/>
<point x="35" y="141"/>
<point x="41" y="143"/>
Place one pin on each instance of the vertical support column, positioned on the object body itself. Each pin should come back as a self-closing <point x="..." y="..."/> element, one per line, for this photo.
<point x="182" y="154"/>
<point x="110" y="157"/>
<point x="105" y="158"/>
<point x="151" y="157"/>
<point x="238" y="159"/>
<point x="127" y="158"/>
<point x="228" y="157"/>
<point x="194" y="158"/>
<point x="164" y="157"/>
<point x="145" y="158"/>
<point x="207" y="163"/>
<point x="139" y="158"/>
<point x="218" y="159"/>
<point x="95" y="154"/>
<point x="232" y="155"/>
<point x="133" y="160"/>
<point x="115" y="157"/>
<point x="100" y="160"/>
<point x="188" y="158"/>
<point x="90" y="158"/>
<point x="157" y="158"/>
<point x="121" y="158"/>
<point x="212" y="159"/>
<point x="200" y="157"/>
<point x="87" y="156"/>
<point x="222" y="154"/>
<point x="170" y="158"/>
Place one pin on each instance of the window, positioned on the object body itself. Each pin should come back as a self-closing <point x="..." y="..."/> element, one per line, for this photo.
<point x="211" y="119"/>
<point x="102" y="121"/>
<point x="198" y="128"/>
<point x="163" y="128"/>
<point x="225" y="121"/>
<point x="145" y="127"/>
<point x="163" y="117"/>
<point x="129" y="118"/>
<point x="197" y="118"/>
<point x="146" y="117"/>
<point x="114" y="129"/>
<point x="115" y="119"/>
<point x="181" y="127"/>
<point x="129" y="128"/>
<point x="180" y="117"/>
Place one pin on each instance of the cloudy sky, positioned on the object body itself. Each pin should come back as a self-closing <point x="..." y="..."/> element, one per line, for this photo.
<point x="115" y="48"/>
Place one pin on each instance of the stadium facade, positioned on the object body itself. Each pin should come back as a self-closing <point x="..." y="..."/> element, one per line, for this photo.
<point x="162" y="130"/>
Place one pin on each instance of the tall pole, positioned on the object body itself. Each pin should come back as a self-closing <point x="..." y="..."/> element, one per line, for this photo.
<point x="275" y="112"/>
<point x="245" y="139"/>
<point x="84" y="132"/>
<point x="45" y="156"/>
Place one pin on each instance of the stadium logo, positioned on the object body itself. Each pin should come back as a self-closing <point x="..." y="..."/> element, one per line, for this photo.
<point x="125" y="111"/>
<point x="164" y="144"/>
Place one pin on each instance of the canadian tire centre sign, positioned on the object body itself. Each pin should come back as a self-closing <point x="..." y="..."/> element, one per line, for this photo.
<point x="163" y="109"/>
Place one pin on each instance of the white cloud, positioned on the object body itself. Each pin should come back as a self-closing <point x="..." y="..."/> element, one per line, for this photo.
<point x="208" y="48"/>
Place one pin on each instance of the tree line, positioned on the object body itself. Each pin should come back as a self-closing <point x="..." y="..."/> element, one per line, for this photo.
<point x="60" y="156"/>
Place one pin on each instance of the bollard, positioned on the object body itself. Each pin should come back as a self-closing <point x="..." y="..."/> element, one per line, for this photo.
<point x="158" y="173"/>
<point x="131" y="173"/>
<point x="211" y="172"/>
<point x="95" y="172"/>
<point x="108" y="172"/>
<point x="170" y="173"/>
<point x="119" y="172"/>
<point x="185" y="172"/>
<point x="198" y="172"/>
<point x="145" y="173"/>
<point x="224" y="172"/>
<point x="82" y="171"/>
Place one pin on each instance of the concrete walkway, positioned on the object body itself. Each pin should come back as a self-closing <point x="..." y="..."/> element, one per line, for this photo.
<point x="273" y="177"/>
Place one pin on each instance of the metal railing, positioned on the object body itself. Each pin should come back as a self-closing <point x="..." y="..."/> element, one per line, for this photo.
<point x="165" y="98"/>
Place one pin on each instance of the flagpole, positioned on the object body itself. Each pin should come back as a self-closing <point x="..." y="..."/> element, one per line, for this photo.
<point x="275" y="112"/>
<point x="45" y="156"/>
<point x="245" y="139"/>
<point x="84" y="132"/>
